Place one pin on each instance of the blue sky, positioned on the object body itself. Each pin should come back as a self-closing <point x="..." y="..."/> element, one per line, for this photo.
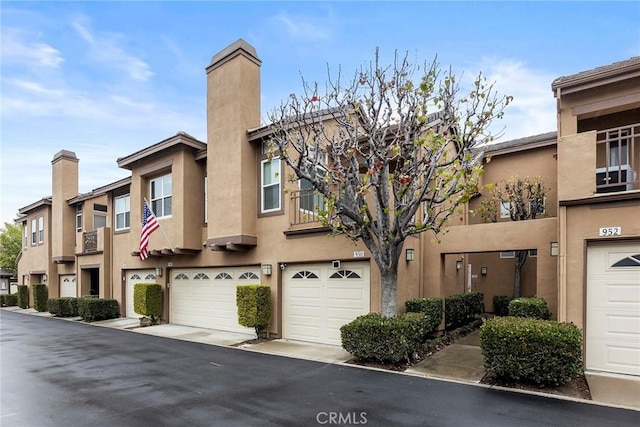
<point x="105" y="79"/>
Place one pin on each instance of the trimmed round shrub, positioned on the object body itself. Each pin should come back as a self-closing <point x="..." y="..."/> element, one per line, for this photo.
<point x="462" y="309"/>
<point x="91" y="309"/>
<point x="373" y="337"/>
<point x="431" y="307"/>
<point x="9" y="300"/>
<point x="63" y="307"/>
<point x="543" y="352"/>
<point x="501" y="305"/>
<point x="530" y="307"/>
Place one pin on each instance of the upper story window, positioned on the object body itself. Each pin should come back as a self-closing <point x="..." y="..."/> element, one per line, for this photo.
<point x="78" y="222"/>
<point x="40" y="229"/>
<point x="206" y="200"/>
<point x="26" y="234"/>
<point x="161" y="196"/>
<point x="270" y="185"/>
<point x="617" y="160"/>
<point x="123" y="212"/>
<point x="99" y="221"/>
<point x="34" y="232"/>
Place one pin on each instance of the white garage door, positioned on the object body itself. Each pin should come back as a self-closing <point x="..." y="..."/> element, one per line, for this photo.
<point x="133" y="277"/>
<point x="206" y="297"/>
<point x="613" y="308"/>
<point x="68" y="286"/>
<point x="318" y="300"/>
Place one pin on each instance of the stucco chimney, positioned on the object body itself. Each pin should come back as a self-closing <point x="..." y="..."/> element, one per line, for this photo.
<point x="233" y="107"/>
<point x="64" y="168"/>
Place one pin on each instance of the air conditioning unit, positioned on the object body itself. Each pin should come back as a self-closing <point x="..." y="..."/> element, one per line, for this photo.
<point x="618" y="178"/>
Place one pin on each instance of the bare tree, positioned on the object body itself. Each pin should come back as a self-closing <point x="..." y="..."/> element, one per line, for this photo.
<point x="385" y="166"/>
<point x="524" y="199"/>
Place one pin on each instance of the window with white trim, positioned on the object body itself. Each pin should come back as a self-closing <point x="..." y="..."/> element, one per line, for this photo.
<point x="270" y="185"/>
<point x="99" y="221"/>
<point x="161" y="196"/>
<point x="34" y="232"/>
<point x="40" y="229"/>
<point x="78" y="222"/>
<point x="508" y="254"/>
<point x="206" y="200"/>
<point x="26" y="234"/>
<point x="123" y="212"/>
<point x="505" y="209"/>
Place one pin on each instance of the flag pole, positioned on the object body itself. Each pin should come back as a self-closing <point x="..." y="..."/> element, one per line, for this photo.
<point x="159" y="225"/>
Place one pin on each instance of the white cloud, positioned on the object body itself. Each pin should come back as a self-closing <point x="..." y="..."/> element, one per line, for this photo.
<point x="16" y="48"/>
<point x="533" y="110"/>
<point x="107" y="49"/>
<point x="305" y="28"/>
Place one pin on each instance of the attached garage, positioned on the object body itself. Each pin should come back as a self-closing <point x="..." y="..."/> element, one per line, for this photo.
<point x="318" y="300"/>
<point x="206" y="297"/>
<point x="68" y="286"/>
<point x="133" y="277"/>
<point x="613" y="308"/>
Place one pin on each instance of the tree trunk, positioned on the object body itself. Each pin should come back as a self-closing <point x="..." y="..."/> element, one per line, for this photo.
<point x="521" y="258"/>
<point x="389" y="285"/>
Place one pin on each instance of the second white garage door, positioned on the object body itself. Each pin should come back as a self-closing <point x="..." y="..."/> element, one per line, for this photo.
<point x="206" y="297"/>
<point x="613" y="308"/>
<point x="318" y="300"/>
<point x="68" y="286"/>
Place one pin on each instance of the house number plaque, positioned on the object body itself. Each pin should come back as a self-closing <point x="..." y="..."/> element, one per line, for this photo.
<point x="358" y="254"/>
<point x="610" y="231"/>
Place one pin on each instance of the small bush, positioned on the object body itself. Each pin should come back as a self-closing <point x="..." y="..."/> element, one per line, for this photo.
<point x="431" y="307"/>
<point x="91" y="309"/>
<point x="9" y="300"/>
<point x="501" y="305"/>
<point x="543" y="352"/>
<point x="530" y="307"/>
<point x="23" y="296"/>
<point x="63" y="307"/>
<point x="462" y="309"/>
<point x="254" y="307"/>
<point x="40" y="297"/>
<point x="373" y="337"/>
<point x="147" y="300"/>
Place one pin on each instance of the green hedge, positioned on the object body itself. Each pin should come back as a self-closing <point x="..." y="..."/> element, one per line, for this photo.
<point x="501" y="305"/>
<point x="9" y="300"/>
<point x="373" y="337"/>
<point x="23" y="296"/>
<point x="40" y="296"/>
<point x="254" y="307"/>
<point x="147" y="300"/>
<point x="91" y="309"/>
<point x="462" y="309"/>
<point x="530" y="307"/>
<point x="431" y="307"/>
<point x="63" y="307"/>
<point x="543" y="352"/>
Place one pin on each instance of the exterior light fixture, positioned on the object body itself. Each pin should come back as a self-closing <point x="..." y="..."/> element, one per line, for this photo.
<point x="266" y="269"/>
<point x="554" y="248"/>
<point x="44" y="278"/>
<point x="458" y="265"/>
<point x="410" y="254"/>
<point x="483" y="271"/>
<point x="158" y="271"/>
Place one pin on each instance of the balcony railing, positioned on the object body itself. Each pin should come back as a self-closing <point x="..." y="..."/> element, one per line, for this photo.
<point x="618" y="158"/>
<point x="305" y="205"/>
<point x="90" y="241"/>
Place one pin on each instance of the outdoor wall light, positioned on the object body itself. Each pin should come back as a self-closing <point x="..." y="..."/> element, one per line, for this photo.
<point x="158" y="272"/>
<point x="554" y="248"/>
<point x="266" y="269"/>
<point x="458" y="265"/>
<point x="483" y="271"/>
<point x="410" y="254"/>
<point x="44" y="278"/>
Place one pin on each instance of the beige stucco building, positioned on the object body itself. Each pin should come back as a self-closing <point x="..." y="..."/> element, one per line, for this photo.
<point x="228" y="216"/>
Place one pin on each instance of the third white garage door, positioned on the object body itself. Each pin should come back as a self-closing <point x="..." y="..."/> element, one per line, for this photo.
<point x="206" y="297"/>
<point x="613" y="308"/>
<point x="318" y="300"/>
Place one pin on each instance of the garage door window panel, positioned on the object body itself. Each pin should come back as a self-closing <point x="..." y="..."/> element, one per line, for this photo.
<point x="631" y="261"/>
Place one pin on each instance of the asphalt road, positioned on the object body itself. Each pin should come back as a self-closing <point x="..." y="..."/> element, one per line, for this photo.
<point x="61" y="373"/>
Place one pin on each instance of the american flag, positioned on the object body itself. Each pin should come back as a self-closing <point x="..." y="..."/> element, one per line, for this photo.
<point x="149" y="225"/>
